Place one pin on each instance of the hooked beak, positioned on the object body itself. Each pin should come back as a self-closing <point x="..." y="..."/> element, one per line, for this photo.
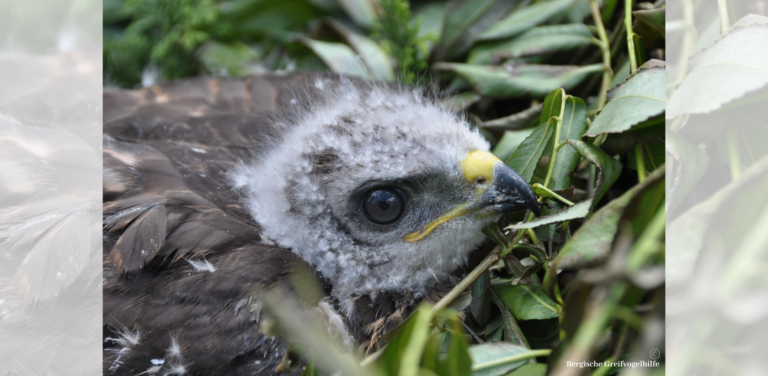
<point x="508" y="193"/>
<point x="500" y="190"/>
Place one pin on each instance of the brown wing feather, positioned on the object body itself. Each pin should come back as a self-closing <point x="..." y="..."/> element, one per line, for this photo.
<point x="168" y="205"/>
<point x="181" y="256"/>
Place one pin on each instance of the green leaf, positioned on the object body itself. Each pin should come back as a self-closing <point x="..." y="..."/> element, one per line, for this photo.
<point x="510" y="141"/>
<point x="461" y="102"/>
<point x="374" y="58"/>
<point x="403" y="354"/>
<point x="310" y="370"/>
<point x="530" y="369"/>
<point x="537" y="41"/>
<point x="480" y="308"/>
<point x="432" y="16"/>
<point x="256" y="19"/>
<point x="736" y="238"/>
<point x="461" y="302"/>
<point x="526" y="302"/>
<point x="737" y="63"/>
<point x="526" y="18"/>
<point x="232" y="59"/>
<point x="610" y="169"/>
<point x="593" y="239"/>
<point x="552" y="106"/>
<point x="652" y="17"/>
<point x="515" y="121"/>
<point x="410" y="358"/>
<point x="635" y="100"/>
<point x="579" y="210"/>
<point x="526" y="158"/>
<point x="309" y="332"/>
<point x="113" y="12"/>
<point x="522" y="251"/>
<point x="621" y="74"/>
<point x="360" y="11"/>
<point x="689" y="165"/>
<point x="573" y="127"/>
<point x="517" y="80"/>
<point x="464" y="21"/>
<point x="512" y="332"/>
<point x="653" y="155"/>
<point x="639" y="43"/>
<point x="457" y="361"/>
<point x="686" y="235"/>
<point x="643" y="207"/>
<point x="489" y="352"/>
<point x="337" y="56"/>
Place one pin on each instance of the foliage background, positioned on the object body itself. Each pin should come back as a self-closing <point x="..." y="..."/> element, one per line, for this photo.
<point x="570" y="93"/>
<point x="715" y="143"/>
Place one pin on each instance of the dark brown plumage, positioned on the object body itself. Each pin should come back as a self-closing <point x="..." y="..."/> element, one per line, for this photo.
<point x="167" y="200"/>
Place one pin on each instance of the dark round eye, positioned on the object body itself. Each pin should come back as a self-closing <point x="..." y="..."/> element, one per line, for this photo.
<point x="382" y="206"/>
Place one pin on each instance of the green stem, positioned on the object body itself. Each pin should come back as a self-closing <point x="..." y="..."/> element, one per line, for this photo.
<point x="605" y="47"/>
<point x="733" y="154"/>
<point x="532" y="234"/>
<point x="640" y="162"/>
<point x="689" y="43"/>
<point x="632" y="319"/>
<point x="489" y="260"/>
<point x="648" y="242"/>
<point x="600" y="139"/>
<point x="559" y="297"/>
<point x="558" y="127"/>
<point x="605" y="368"/>
<point x="593" y="326"/>
<point x="725" y="23"/>
<point x="550" y="193"/>
<point x="630" y="33"/>
<point x="514" y="358"/>
<point x="409" y="363"/>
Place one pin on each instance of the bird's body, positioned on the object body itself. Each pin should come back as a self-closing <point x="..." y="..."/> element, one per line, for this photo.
<point x="218" y="190"/>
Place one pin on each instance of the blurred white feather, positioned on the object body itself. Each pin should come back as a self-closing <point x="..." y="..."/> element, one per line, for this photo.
<point x="50" y="199"/>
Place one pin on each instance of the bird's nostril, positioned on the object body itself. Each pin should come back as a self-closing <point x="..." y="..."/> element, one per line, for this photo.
<point x="480" y="181"/>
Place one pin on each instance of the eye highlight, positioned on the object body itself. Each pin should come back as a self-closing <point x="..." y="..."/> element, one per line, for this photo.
<point x="382" y="206"/>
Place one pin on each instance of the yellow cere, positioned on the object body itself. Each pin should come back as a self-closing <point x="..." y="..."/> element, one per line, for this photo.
<point x="479" y="163"/>
<point x="476" y="164"/>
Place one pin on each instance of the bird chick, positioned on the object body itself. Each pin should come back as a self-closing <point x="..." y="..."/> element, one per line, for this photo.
<point x="378" y="186"/>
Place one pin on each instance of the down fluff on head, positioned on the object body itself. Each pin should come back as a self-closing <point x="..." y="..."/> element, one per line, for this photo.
<point x="340" y="136"/>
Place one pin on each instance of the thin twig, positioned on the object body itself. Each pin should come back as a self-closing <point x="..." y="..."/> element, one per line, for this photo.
<point x="640" y="163"/>
<point x="630" y="35"/>
<point x="558" y="127"/>
<point x="605" y="47"/>
<point x="733" y="154"/>
<point x="489" y="260"/>
<point x="725" y="23"/>
<point x="689" y="43"/>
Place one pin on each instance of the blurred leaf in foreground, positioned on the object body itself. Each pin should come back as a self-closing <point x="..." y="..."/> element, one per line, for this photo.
<point x="593" y="240"/>
<point x="487" y="358"/>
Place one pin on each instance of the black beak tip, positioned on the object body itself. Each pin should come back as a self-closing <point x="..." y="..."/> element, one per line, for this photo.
<point x="534" y="206"/>
<point x="510" y="192"/>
